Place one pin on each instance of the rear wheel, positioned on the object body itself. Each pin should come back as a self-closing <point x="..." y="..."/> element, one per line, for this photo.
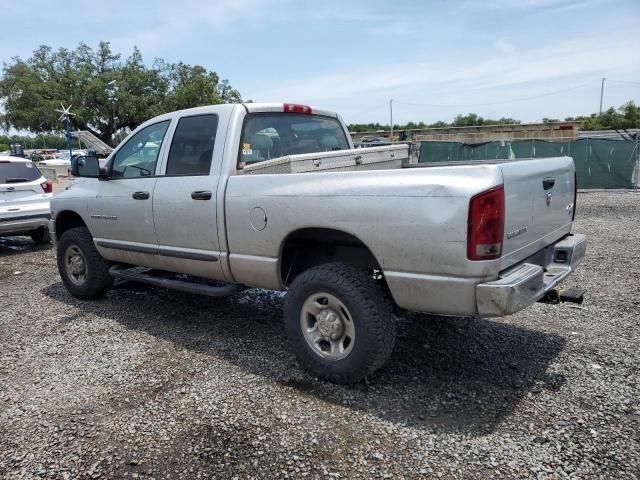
<point x="340" y="322"/>
<point x="40" y="236"/>
<point x="83" y="270"/>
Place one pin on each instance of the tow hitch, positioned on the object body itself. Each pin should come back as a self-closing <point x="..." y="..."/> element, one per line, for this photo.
<point x="557" y="295"/>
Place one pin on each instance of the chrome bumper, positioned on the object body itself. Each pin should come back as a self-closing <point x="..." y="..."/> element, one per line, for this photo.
<point x="525" y="284"/>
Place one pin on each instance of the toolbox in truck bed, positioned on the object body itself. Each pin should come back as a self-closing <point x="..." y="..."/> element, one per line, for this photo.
<point x="373" y="158"/>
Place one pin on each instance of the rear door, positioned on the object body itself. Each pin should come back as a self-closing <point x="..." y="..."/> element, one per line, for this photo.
<point x="184" y="201"/>
<point x="539" y="203"/>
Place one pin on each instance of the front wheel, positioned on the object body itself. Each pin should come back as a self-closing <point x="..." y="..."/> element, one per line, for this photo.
<point x="83" y="270"/>
<point x="340" y="322"/>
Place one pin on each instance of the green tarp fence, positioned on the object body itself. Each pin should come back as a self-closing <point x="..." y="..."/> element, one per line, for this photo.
<point x="600" y="163"/>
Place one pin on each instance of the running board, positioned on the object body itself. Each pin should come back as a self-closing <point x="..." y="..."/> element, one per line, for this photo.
<point x="125" y="273"/>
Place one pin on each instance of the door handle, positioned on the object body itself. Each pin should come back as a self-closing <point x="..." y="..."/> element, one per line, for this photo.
<point x="548" y="183"/>
<point x="201" y="195"/>
<point x="140" y="195"/>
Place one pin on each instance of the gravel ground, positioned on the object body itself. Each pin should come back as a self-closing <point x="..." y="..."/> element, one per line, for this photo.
<point x="149" y="383"/>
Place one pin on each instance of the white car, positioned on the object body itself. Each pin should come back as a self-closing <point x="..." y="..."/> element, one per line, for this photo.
<point x="61" y="159"/>
<point x="24" y="199"/>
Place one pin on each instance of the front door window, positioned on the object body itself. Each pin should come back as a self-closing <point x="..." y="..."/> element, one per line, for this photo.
<point x="138" y="157"/>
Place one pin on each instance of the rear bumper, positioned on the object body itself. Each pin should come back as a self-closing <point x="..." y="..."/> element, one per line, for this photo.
<point x="523" y="285"/>
<point x="21" y="224"/>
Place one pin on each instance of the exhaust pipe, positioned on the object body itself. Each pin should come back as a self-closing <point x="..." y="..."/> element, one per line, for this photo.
<point x="557" y="295"/>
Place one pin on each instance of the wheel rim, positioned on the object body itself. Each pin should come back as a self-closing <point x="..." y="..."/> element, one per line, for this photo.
<point x="76" y="265"/>
<point x="327" y="326"/>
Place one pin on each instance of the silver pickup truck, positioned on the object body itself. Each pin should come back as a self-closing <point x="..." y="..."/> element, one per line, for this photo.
<point x="173" y="207"/>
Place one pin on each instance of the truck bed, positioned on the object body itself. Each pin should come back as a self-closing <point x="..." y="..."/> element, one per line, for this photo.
<point x="414" y="221"/>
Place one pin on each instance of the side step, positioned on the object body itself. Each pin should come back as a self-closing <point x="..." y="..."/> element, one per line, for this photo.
<point x="125" y="273"/>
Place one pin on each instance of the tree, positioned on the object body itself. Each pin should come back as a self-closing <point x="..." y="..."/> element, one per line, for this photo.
<point x="30" y="90"/>
<point x="625" y="116"/>
<point x="467" y="120"/>
<point x="472" y="120"/>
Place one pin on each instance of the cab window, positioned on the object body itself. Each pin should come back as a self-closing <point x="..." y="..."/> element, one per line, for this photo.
<point x="138" y="157"/>
<point x="272" y="135"/>
<point x="192" y="145"/>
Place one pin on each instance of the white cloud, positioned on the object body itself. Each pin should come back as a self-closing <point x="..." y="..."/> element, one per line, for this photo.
<point x="504" y="46"/>
<point x="520" y="4"/>
<point x="170" y="21"/>
<point x="458" y="83"/>
<point x="150" y="25"/>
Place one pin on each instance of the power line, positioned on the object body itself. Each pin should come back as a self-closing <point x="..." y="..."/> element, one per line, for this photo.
<point x="555" y="92"/>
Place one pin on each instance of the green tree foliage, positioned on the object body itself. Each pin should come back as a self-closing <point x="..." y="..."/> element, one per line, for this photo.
<point x="471" y="120"/>
<point x="626" y="116"/>
<point x="4" y="147"/>
<point x="30" y="90"/>
<point x="38" y="141"/>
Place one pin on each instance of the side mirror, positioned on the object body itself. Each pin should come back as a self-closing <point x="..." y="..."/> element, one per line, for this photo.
<point x="85" y="166"/>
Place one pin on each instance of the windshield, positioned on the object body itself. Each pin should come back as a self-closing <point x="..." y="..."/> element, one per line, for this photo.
<point x="15" y="172"/>
<point x="272" y="135"/>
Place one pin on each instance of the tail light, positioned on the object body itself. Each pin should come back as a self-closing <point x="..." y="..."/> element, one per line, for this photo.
<point x="486" y="225"/>
<point x="296" y="108"/>
<point x="47" y="186"/>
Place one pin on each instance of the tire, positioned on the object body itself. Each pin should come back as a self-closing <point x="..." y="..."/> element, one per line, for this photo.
<point x="367" y="316"/>
<point x="78" y="243"/>
<point x="40" y="236"/>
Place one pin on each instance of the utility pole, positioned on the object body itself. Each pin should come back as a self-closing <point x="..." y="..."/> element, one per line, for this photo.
<point x="601" y="94"/>
<point x="391" y="117"/>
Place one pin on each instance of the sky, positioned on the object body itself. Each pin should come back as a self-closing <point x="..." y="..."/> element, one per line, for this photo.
<point x="524" y="59"/>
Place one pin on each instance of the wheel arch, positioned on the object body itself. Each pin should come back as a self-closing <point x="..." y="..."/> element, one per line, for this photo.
<point x="66" y="220"/>
<point x="309" y="247"/>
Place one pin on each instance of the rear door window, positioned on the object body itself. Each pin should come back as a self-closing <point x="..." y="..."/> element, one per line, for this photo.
<point x="192" y="145"/>
<point x="272" y="135"/>
<point x="18" y="172"/>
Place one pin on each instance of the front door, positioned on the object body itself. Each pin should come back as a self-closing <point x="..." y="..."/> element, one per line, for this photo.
<point x="121" y="214"/>
<point x="184" y="202"/>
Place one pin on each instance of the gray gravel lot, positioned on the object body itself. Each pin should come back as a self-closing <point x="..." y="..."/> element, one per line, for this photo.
<point x="149" y="383"/>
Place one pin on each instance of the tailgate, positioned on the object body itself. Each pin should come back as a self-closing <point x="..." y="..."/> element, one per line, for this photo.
<point x="23" y="192"/>
<point x="539" y="204"/>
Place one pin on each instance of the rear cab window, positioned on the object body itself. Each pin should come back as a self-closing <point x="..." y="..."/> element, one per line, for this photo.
<point x="18" y="172"/>
<point x="271" y="135"/>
